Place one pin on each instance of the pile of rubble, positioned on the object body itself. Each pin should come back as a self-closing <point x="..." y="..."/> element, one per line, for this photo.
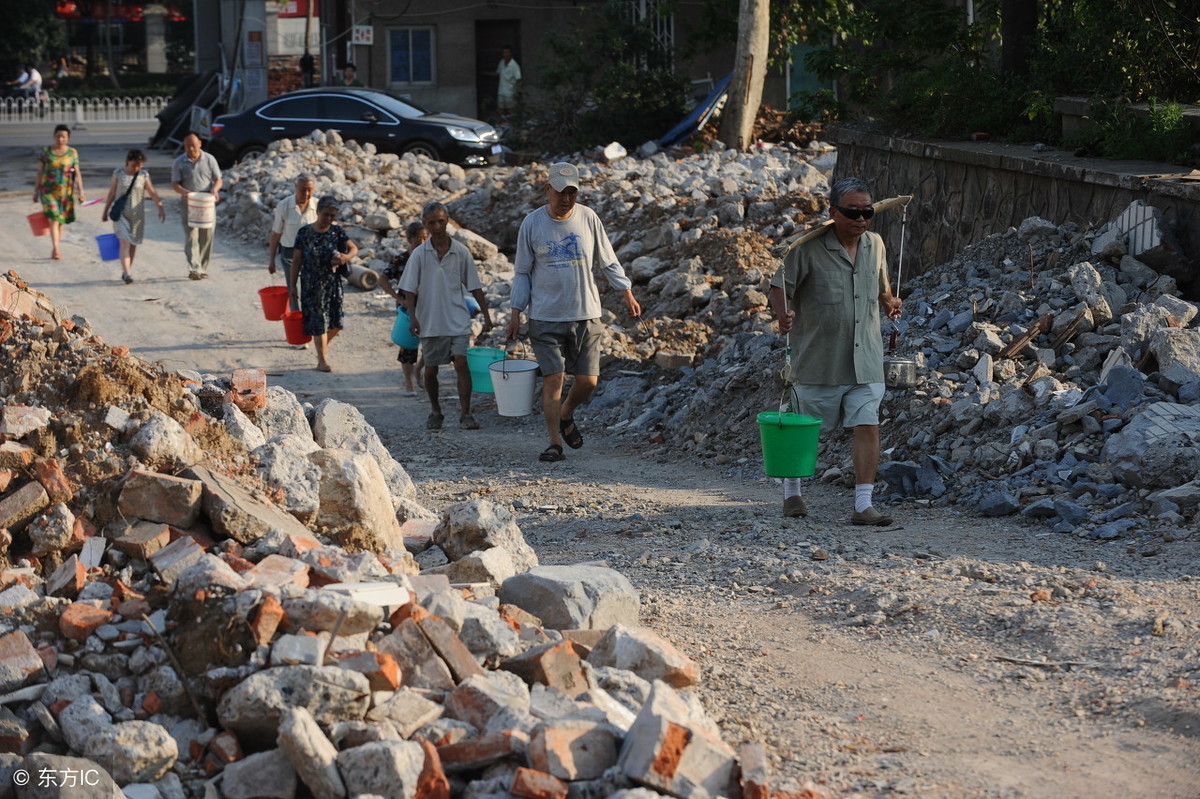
<point x="214" y="592"/>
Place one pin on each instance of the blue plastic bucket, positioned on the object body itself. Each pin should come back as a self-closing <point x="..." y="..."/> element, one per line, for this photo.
<point x="401" y="335"/>
<point x="110" y="246"/>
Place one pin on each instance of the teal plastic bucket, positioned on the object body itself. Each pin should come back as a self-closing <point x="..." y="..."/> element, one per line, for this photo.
<point x="401" y="335"/>
<point x="789" y="443"/>
<point x="478" y="359"/>
<point x="110" y="246"/>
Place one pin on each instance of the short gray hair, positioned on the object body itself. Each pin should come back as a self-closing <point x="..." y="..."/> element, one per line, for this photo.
<point x="328" y="201"/>
<point x="847" y="186"/>
<point x="434" y="206"/>
<point x="304" y="177"/>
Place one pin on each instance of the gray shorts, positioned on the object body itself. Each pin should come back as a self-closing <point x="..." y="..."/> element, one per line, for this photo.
<point x="848" y="406"/>
<point x="443" y="349"/>
<point x="571" y="347"/>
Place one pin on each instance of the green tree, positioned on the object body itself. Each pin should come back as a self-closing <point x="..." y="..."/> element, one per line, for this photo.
<point x="32" y="32"/>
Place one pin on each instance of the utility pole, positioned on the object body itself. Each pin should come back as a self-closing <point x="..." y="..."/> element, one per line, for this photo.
<point x="749" y="70"/>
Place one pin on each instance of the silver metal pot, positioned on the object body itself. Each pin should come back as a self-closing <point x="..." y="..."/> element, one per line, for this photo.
<point x="900" y="372"/>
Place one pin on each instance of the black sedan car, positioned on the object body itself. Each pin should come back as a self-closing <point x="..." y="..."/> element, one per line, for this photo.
<point x="363" y="115"/>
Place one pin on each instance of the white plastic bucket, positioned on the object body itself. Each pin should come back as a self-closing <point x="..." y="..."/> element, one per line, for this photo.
<point x="514" y="381"/>
<point x="201" y="209"/>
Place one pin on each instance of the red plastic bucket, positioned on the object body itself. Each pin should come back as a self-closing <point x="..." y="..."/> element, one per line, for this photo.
<point x="39" y="224"/>
<point x="274" y="302"/>
<point x="293" y="326"/>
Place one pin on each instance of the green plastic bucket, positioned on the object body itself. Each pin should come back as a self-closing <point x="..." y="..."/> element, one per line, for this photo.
<point x="478" y="359"/>
<point x="789" y="443"/>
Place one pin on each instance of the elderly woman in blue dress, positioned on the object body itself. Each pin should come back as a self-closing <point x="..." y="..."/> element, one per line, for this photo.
<point x="321" y="257"/>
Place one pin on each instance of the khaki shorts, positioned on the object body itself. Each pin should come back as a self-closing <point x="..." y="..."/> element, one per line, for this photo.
<point x="441" y="350"/>
<point x="848" y="406"/>
<point x="571" y="347"/>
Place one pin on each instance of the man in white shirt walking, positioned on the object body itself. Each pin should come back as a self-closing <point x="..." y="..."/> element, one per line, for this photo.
<point x="509" y="73"/>
<point x="294" y="212"/>
<point x="557" y="247"/>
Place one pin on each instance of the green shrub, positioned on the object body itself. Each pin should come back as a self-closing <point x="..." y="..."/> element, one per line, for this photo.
<point x="1119" y="132"/>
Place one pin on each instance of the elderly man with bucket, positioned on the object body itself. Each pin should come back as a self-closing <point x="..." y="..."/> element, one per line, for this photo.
<point x="436" y="281"/>
<point x="196" y="172"/>
<point x="826" y="296"/>
<point x="557" y="247"/>
<point x="294" y="212"/>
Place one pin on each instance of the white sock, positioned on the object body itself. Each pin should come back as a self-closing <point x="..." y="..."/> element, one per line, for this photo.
<point x="862" y="496"/>
<point x="791" y="487"/>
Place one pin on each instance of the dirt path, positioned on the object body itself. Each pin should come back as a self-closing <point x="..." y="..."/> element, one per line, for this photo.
<point x="866" y="659"/>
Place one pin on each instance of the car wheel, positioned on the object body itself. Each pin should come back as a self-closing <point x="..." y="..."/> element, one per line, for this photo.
<point x="424" y="148"/>
<point x="250" y="150"/>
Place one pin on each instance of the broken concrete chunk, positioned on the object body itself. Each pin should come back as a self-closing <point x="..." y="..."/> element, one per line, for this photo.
<point x="383" y="768"/>
<point x="478" y="524"/>
<point x="420" y="666"/>
<point x="100" y="784"/>
<point x="240" y="428"/>
<point x="262" y="775"/>
<point x="19" y="661"/>
<point x="253" y="708"/>
<point x="160" y="498"/>
<point x="556" y="664"/>
<point x="175" y="558"/>
<point x="18" y="507"/>
<point x="569" y="597"/>
<point x="355" y="503"/>
<point x="645" y="653"/>
<point x="133" y="751"/>
<point x="235" y="514"/>
<point x="337" y="425"/>
<point x="573" y="750"/>
<point x="408" y="712"/>
<point x="18" y="421"/>
<point x="163" y="444"/>
<point x="312" y="755"/>
<point x="481" y="697"/>
<point x="319" y="610"/>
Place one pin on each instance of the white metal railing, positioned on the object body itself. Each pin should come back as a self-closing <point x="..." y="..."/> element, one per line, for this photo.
<point x="75" y="109"/>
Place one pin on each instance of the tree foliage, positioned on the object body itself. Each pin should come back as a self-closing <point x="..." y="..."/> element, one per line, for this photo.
<point x="607" y="78"/>
<point x="31" y="32"/>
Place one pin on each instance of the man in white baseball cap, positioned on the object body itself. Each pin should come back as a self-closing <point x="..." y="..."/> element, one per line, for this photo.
<point x="557" y="247"/>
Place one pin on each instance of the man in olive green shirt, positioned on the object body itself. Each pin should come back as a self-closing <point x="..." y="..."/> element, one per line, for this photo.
<point x="826" y="296"/>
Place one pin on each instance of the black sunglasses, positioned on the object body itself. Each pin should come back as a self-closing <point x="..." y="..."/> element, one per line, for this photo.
<point x="855" y="213"/>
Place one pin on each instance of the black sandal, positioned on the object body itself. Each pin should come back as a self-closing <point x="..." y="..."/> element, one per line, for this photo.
<point x="572" y="436"/>
<point x="552" y="453"/>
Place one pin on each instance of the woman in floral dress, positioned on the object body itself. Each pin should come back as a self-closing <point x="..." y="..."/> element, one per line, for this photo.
<point x="321" y="256"/>
<point x="59" y="184"/>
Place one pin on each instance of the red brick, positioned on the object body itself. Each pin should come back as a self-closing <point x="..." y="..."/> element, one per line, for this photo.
<point x="6" y="476"/>
<point x="79" y="621"/>
<point x="674" y="740"/>
<point x="239" y="565"/>
<point x="14" y="735"/>
<point x="515" y="617"/>
<point x="449" y="647"/>
<point x="418" y="534"/>
<point x="160" y="498"/>
<point x="151" y="703"/>
<point x="537" y="785"/>
<point x="18" y="660"/>
<point x="143" y="539"/>
<point x="120" y="352"/>
<point x="432" y="784"/>
<point x="558" y="665"/>
<point x="225" y="747"/>
<point x="267" y="618"/>
<point x="196" y="423"/>
<point x="68" y="579"/>
<point x="277" y="570"/>
<point x="248" y="389"/>
<point x="420" y="666"/>
<point x="50" y="474"/>
<point x="755" y="771"/>
<point x="18" y="507"/>
<point x="49" y="655"/>
<point x="486" y="749"/>
<point x="14" y="455"/>
<point x="381" y="669"/>
<point x="409" y="610"/>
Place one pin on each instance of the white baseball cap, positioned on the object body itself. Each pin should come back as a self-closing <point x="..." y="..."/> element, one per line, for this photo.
<point x="563" y="175"/>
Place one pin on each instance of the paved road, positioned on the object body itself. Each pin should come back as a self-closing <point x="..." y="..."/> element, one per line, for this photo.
<point x="102" y="147"/>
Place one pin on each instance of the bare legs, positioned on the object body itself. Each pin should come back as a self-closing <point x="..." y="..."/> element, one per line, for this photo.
<point x="555" y="408"/>
<point x="409" y="370"/>
<point x="55" y="237"/>
<point x="462" y="375"/>
<point x="322" y="343"/>
<point x="127" y="252"/>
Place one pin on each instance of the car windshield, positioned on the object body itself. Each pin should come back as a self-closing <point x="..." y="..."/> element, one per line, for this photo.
<point x="405" y="108"/>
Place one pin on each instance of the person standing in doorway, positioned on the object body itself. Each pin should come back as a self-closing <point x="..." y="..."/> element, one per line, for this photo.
<point x="826" y="296"/>
<point x="196" y="171"/>
<point x="557" y="247"/>
<point x="508" y="71"/>
<point x="439" y="275"/>
<point x="350" y="76"/>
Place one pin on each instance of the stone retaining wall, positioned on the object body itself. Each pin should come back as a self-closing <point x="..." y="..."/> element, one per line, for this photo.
<point x="966" y="191"/>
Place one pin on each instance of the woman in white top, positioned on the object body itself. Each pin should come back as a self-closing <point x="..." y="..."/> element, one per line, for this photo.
<point x="130" y="223"/>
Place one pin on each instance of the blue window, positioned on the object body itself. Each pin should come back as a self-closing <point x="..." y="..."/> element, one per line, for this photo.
<point x="412" y="55"/>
